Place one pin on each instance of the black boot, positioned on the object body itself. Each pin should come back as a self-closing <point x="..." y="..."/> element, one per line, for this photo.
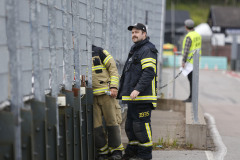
<point x="102" y="157"/>
<point x="128" y="156"/>
<point x="116" y="155"/>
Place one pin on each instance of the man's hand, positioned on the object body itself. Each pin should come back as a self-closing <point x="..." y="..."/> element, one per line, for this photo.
<point x="134" y="94"/>
<point x="183" y="64"/>
<point x="114" y="92"/>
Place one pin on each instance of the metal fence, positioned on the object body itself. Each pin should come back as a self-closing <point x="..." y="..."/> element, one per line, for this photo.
<point x="44" y="45"/>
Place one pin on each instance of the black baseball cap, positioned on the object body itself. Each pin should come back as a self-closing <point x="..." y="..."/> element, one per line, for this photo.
<point x="139" y="26"/>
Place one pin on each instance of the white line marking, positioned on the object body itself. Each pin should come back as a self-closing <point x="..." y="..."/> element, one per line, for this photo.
<point x="209" y="155"/>
<point x="221" y="149"/>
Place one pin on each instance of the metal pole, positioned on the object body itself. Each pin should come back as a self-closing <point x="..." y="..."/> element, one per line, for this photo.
<point x="160" y="57"/>
<point x="67" y="81"/>
<point x="119" y="24"/>
<point x="113" y="28"/>
<point x="234" y="52"/>
<point x="90" y="38"/>
<point x="173" y="22"/>
<point x="123" y="35"/>
<point x="173" y="41"/>
<point x="52" y="44"/>
<point x="133" y="13"/>
<point x="53" y="60"/>
<point x="13" y="37"/>
<point x="104" y="24"/>
<point x="76" y="34"/>
<point x="195" y="83"/>
<point x="174" y="73"/>
<point x="107" y="20"/>
<point x="37" y="57"/>
<point x="234" y="33"/>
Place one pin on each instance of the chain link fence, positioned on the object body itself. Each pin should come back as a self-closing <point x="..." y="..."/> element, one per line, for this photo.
<point x="45" y="47"/>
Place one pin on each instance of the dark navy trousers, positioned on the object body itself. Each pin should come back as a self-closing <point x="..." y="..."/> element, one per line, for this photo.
<point x="190" y="83"/>
<point x="138" y="130"/>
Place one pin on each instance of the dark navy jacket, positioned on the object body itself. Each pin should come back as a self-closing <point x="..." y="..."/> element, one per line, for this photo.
<point x="139" y="74"/>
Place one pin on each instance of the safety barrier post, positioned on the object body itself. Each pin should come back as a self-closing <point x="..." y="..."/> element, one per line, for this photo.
<point x="15" y="74"/>
<point x="27" y="132"/>
<point x="69" y="123"/>
<point x="52" y="141"/>
<point x="174" y="72"/>
<point x="195" y="84"/>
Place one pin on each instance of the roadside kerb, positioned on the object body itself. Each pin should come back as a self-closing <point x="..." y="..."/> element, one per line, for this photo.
<point x="196" y="133"/>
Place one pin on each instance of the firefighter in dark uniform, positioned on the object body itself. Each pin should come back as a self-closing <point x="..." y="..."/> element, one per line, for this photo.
<point x="138" y="90"/>
<point x="105" y="78"/>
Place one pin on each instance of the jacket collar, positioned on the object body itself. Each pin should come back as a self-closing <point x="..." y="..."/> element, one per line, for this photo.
<point x="139" y="45"/>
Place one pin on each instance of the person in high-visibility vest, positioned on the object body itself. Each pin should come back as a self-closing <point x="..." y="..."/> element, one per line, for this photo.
<point x="191" y="42"/>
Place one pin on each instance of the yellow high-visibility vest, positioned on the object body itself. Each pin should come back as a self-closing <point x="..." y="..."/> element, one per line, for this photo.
<point x="196" y="44"/>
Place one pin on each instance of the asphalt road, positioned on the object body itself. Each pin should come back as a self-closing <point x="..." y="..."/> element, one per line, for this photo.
<point x="219" y="95"/>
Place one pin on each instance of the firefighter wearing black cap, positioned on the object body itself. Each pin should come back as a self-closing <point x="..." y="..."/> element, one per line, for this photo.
<point x="138" y="90"/>
<point x="105" y="78"/>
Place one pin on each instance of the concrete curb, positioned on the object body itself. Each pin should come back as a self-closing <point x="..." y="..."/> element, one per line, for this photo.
<point x="170" y="104"/>
<point x="221" y="149"/>
<point x="196" y="133"/>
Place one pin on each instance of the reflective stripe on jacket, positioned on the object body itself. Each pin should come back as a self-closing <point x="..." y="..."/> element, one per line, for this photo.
<point x="104" y="71"/>
<point x="196" y="44"/>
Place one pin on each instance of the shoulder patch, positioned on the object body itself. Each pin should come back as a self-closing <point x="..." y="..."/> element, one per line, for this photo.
<point x="106" y="52"/>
